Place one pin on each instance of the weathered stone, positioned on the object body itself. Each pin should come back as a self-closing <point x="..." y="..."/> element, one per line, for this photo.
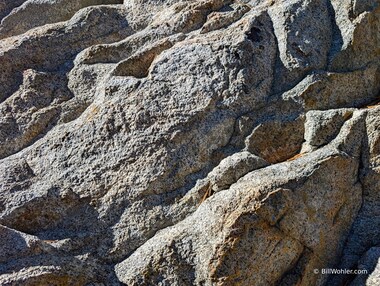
<point x="323" y="126"/>
<point x="357" y="38"/>
<point x="303" y="33"/>
<point x="31" y="111"/>
<point x="49" y="53"/>
<point x="259" y="219"/>
<point x="370" y="263"/>
<point x="169" y="142"/>
<point x="234" y="167"/>
<point x="6" y="6"/>
<point x="364" y="232"/>
<point x="276" y="141"/>
<point x="325" y="90"/>
<point x="34" y="13"/>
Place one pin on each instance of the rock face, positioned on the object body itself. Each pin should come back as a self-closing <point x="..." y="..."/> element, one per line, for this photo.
<point x="207" y="142"/>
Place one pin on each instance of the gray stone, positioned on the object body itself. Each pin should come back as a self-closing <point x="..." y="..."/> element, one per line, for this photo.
<point x="169" y="142"/>
<point x="6" y="6"/>
<point x="370" y="263"/>
<point x="268" y="214"/>
<point x="356" y="38"/>
<point x="303" y="33"/>
<point x="323" y="126"/>
<point x="34" y="13"/>
<point x="328" y="90"/>
<point x="276" y="141"/>
<point x="234" y="167"/>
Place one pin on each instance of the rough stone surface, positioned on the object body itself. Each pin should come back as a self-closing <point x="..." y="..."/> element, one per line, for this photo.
<point x="210" y="142"/>
<point x="370" y="261"/>
<point x="323" y="126"/>
<point x="34" y="13"/>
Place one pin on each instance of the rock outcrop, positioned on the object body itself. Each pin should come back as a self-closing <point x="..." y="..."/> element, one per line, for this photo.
<point x="193" y="142"/>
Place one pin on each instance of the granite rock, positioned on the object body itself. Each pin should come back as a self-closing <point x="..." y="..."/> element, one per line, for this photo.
<point x="168" y="142"/>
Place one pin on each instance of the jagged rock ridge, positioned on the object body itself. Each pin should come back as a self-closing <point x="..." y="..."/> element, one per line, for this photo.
<point x="208" y="142"/>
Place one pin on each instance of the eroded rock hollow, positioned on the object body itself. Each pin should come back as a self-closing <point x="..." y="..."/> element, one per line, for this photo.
<point x="173" y="142"/>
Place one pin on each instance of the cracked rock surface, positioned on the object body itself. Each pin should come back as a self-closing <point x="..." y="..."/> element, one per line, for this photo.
<point x="189" y="142"/>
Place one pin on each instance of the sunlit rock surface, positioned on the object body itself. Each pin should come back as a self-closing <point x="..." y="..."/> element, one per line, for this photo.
<point x="209" y="142"/>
